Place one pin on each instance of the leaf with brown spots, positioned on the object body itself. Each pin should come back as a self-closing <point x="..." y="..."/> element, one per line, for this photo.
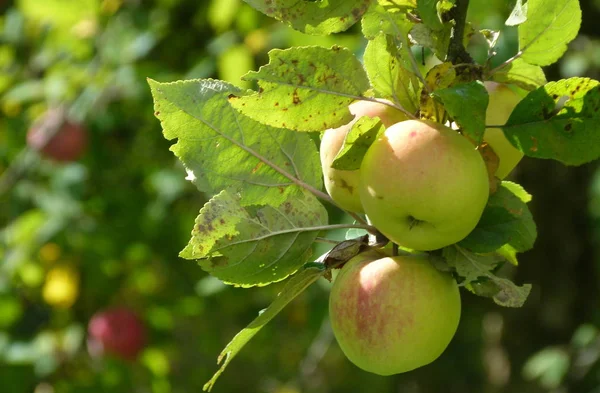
<point x="305" y="89"/>
<point x="558" y="121"/>
<point x="258" y="245"/>
<point x="389" y="75"/>
<point x="222" y="149"/>
<point x="317" y="17"/>
<point x="439" y="76"/>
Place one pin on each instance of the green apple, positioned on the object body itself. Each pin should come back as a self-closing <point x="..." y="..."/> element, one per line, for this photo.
<point x="341" y="185"/>
<point x="502" y="102"/>
<point x="423" y="185"/>
<point x="393" y="314"/>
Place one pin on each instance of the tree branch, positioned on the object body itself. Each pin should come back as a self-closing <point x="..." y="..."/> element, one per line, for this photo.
<point x="456" y="50"/>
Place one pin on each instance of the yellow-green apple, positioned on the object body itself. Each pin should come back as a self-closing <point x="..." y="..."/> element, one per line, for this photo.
<point x="423" y="185"/>
<point x="502" y="102"/>
<point x="342" y="185"/>
<point x="393" y="314"/>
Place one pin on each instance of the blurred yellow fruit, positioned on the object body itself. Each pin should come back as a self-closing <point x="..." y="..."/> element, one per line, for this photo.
<point x="61" y="287"/>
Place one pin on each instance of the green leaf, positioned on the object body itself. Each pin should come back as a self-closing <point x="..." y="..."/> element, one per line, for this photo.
<point x="222" y="149"/>
<point x="255" y="246"/>
<point x="544" y="125"/>
<point x="362" y="134"/>
<point x="468" y="265"/>
<point x="477" y="271"/>
<point x="511" y="295"/>
<point x="295" y="286"/>
<point x="438" y="77"/>
<point x="466" y="103"/>
<point x="518" y="190"/>
<point x="509" y="253"/>
<point x="431" y="10"/>
<point x="389" y="76"/>
<point x="505" y="220"/>
<point x="518" y="14"/>
<point x="522" y="74"/>
<point x="379" y="19"/>
<point x="438" y="40"/>
<point x="318" y="17"/>
<point x="550" y="26"/>
<point x="399" y="4"/>
<point x="305" y="88"/>
<point x="492" y="230"/>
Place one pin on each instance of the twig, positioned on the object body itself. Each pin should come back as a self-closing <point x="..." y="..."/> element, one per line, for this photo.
<point x="456" y="50"/>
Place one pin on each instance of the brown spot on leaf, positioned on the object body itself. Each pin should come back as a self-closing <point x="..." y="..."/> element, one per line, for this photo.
<point x="534" y="147"/>
<point x="257" y="167"/>
<point x="295" y="97"/>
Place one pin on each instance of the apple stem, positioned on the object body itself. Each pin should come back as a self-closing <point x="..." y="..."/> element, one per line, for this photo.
<point x="456" y="50"/>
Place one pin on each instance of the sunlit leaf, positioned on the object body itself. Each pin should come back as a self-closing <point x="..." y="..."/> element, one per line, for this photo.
<point x="223" y="149"/>
<point x="550" y="26"/>
<point x="255" y="246"/>
<point x="305" y="88"/>
<point x="320" y="17"/>
<point x="558" y="121"/>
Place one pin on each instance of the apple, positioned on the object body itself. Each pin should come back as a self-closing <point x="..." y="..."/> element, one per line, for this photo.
<point x="391" y="315"/>
<point x="61" y="287"/>
<point x="118" y="332"/>
<point x="68" y="144"/>
<point x="341" y="185"/>
<point x="423" y="185"/>
<point x="502" y="102"/>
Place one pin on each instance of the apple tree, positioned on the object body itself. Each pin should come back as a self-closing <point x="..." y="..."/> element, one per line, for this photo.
<point x="421" y="176"/>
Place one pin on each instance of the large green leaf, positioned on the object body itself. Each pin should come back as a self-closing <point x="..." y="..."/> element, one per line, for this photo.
<point x="505" y="220"/>
<point x="466" y="103"/>
<point x="305" y="88"/>
<point x="223" y="149"/>
<point x="255" y="246"/>
<point x="390" y="78"/>
<point x="550" y="26"/>
<point x="558" y="121"/>
<point x="522" y="74"/>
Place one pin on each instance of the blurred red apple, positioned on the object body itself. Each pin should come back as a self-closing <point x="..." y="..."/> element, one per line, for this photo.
<point x="67" y="144"/>
<point x="118" y="332"/>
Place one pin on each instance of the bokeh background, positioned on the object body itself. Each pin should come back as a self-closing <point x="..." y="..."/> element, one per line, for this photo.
<point x="79" y="237"/>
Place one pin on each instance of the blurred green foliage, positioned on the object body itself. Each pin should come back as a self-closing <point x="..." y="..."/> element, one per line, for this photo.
<point x="76" y="238"/>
